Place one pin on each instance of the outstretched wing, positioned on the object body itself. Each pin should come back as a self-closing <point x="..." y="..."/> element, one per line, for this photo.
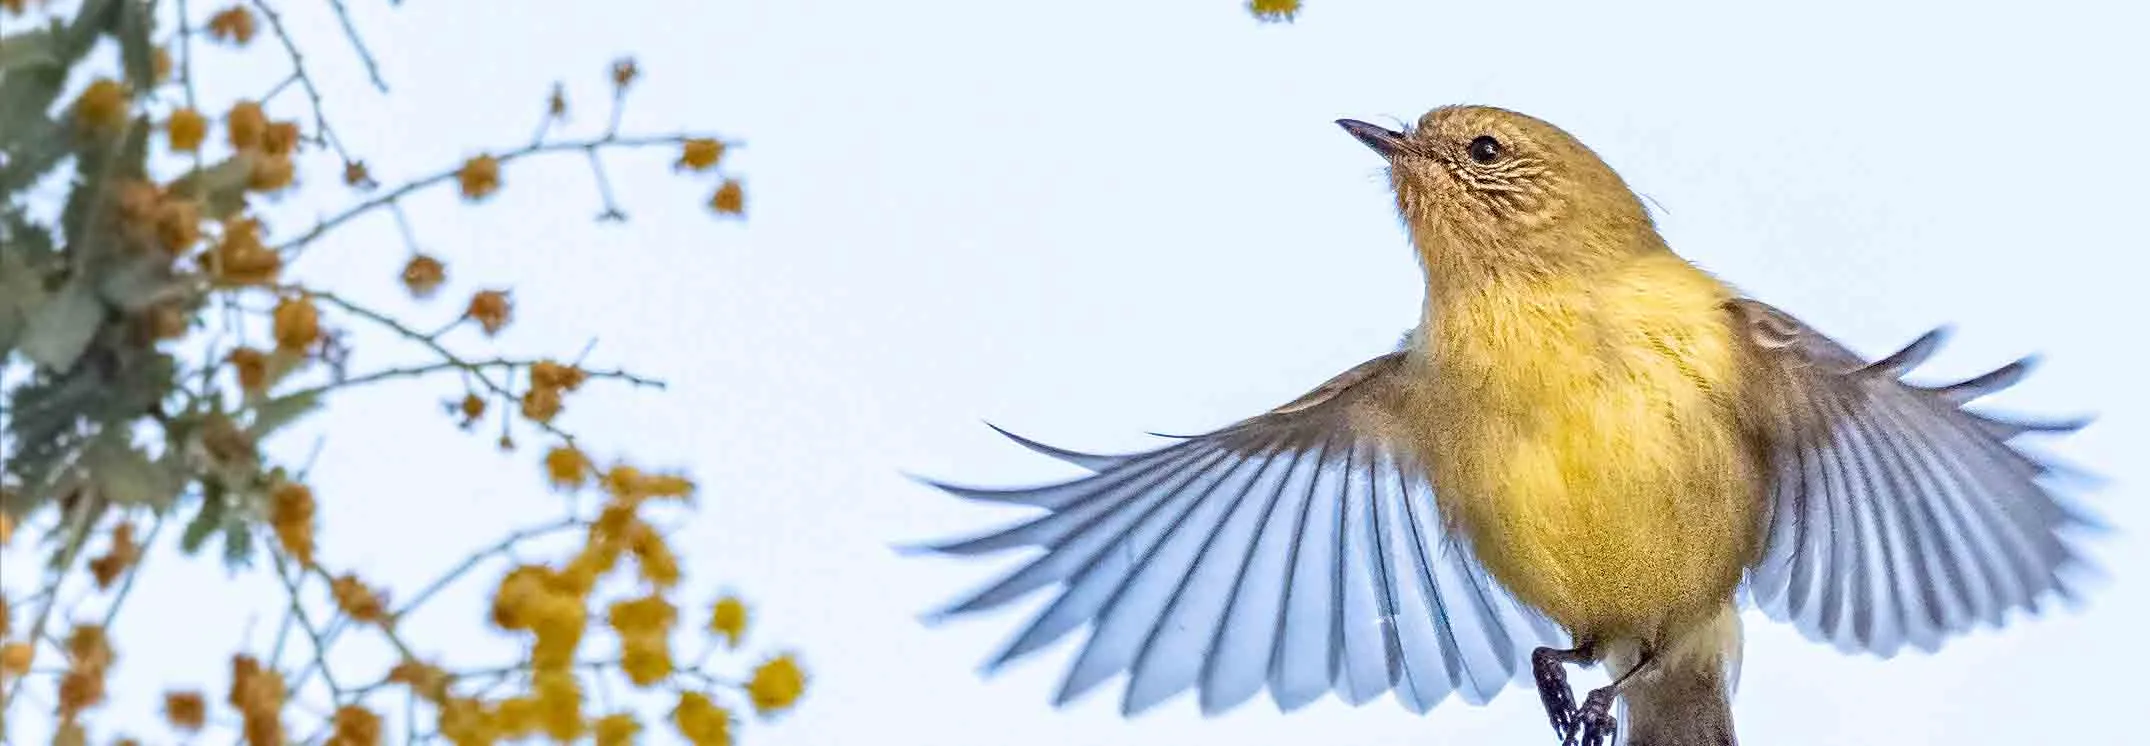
<point x="1896" y="516"/>
<point x="1299" y="550"/>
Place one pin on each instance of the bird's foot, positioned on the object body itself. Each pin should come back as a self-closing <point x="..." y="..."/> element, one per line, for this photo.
<point x="1594" y="721"/>
<point x="1549" y="667"/>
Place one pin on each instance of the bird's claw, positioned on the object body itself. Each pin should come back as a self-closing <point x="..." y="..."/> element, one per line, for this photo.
<point x="1594" y="724"/>
<point x="1551" y="674"/>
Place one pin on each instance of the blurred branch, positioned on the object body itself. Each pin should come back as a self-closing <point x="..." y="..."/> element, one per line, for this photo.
<point x="365" y="56"/>
<point x="534" y="149"/>
<point x="322" y="133"/>
<point x="186" y="57"/>
<point x="305" y="623"/>
<point x="134" y="570"/>
<point x="498" y="549"/>
<point x="79" y="523"/>
<point x="419" y="371"/>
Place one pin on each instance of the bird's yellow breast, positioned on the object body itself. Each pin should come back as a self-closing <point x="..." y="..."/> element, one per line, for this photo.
<point x="1585" y="441"/>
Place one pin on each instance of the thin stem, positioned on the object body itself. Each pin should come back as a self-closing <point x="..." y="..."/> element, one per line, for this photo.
<point x="298" y="608"/>
<point x="391" y="197"/>
<point x="498" y="549"/>
<point x="78" y="535"/>
<point x="420" y="371"/>
<point x="403" y="226"/>
<point x="186" y="58"/>
<point x="612" y="211"/>
<point x="350" y="30"/>
<point x="135" y="571"/>
<point x="322" y="133"/>
<point x="278" y="88"/>
<point x="430" y="341"/>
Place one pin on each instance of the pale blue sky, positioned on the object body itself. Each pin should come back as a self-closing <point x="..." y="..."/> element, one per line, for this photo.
<point x="1089" y="220"/>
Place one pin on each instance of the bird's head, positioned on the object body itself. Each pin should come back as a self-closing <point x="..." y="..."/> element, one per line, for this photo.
<point x="1487" y="190"/>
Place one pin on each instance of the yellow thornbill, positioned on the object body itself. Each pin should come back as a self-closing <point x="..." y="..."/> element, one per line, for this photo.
<point x="1582" y="452"/>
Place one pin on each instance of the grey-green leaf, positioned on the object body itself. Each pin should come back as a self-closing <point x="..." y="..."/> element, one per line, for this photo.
<point x="274" y="414"/>
<point x="136" y="51"/>
<point x="207" y="520"/>
<point x="28" y="50"/>
<point x="238" y="545"/>
<point x="60" y="329"/>
<point x="20" y="295"/>
<point x="127" y="475"/>
<point x="220" y="188"/>
<point x="137" y="283"/>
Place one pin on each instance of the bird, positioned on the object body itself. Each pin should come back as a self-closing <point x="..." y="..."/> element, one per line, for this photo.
<point x="1589" y="450"/>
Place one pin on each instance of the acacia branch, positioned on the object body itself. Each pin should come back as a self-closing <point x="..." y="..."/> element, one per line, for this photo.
<point x="78" y="534"/>
<point x="298" y="609"/>
<point x="365" y="56"/>
<point x="393" y="196"/>
<point x="498" y="549"/>
<point x="322" y="133"/>
<point x="420" y="371"/>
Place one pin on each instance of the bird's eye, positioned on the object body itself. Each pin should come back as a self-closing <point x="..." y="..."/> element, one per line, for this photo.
<point x="1485" y="149"/>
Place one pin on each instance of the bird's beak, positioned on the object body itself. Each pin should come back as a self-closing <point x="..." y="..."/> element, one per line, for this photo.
<point x="1383" y="141"/>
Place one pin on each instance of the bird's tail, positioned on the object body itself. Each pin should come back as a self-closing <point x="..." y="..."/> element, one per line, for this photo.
<point x="1686" y="700"/>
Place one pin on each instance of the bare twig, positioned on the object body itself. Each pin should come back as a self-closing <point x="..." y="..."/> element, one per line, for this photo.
<point x="278" y="88"/>
<point x="365" y="56"/>
<point x="419" y="371"/>
<point x="498" y="549"/>
<point x="612" y="211"/>
<point x="403" y="226"/>
<point x="186" y="59"/>
<point x="298" y="609"/>
<point x="134" y="571"/>
<point x="431" y="342"/>
<point x="78" y="534"/>
<point x="322" y="133"/>
<point x="540" y="148"/>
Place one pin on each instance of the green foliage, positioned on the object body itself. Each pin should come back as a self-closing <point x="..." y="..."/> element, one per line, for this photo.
<point x="87" y="382"/>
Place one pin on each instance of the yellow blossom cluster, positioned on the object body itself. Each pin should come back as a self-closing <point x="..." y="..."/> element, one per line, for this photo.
<point x="122" y="555"/>
<point x="359" y="601"/>
<point x="185" y="129"/>
<point x="423" y="274"/>
<point x="776" y="684"/>
<point x="103" y="106"/>
<point x="251" y="367"/>
<point x="186" y="710"/>
<point x="729" y="618"/>
<point x="701" y="721"/>
<point x="153" y="219"/>
<point x="234" y="25"/>
<point x="551" y="603"/>
<point x="549" y="382"/>
<point x="354" y="726"/>
<point x="470" y="408"/>
<point x="15" y="658"/>
<point x="479" y="177"/>
<point x="291" y="513"/>
<point x="89" y="658"/>
<point x="1274" y="11"/>
<point x="296" y="323"/>
<point x="700" y="154"/>
<point x="239" y="258"/>
<point x="491" y="309"/>
<point x="644" y="626"/>
<point x="730" y="199"/>
<point x="268" y="145"/>
<point x="258" y="694"/>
